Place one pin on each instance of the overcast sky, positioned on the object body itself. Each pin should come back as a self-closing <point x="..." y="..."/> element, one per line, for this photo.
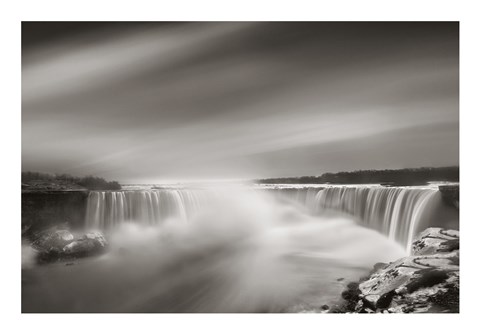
<point x="155" y="102"/>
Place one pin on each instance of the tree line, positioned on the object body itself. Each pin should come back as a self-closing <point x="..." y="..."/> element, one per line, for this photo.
<point x="407" y="176"/>
<point x="88" y="182"/>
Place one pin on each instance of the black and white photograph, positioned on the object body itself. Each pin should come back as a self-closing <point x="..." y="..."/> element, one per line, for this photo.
<point x="225" y="167"/>
<point x="240" y="167"/>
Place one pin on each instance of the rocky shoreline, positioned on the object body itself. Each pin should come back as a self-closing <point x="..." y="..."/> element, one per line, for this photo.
<point x="427" y="281"/>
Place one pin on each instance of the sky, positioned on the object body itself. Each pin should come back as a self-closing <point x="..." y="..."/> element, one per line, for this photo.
<point x="158" y="102"/>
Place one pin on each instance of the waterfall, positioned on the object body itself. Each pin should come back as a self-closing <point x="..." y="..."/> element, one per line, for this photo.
<point x="106" y="209"/>
<point x="397" y="212"/>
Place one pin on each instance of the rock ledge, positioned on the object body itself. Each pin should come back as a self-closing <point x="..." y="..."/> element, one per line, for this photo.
<point x="426" y="281"/>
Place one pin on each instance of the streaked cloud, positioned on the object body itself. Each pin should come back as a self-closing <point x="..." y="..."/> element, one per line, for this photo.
<point x="214" y="100"/>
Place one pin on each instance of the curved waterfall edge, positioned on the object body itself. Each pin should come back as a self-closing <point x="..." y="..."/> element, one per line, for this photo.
<point x="397" y="212"/>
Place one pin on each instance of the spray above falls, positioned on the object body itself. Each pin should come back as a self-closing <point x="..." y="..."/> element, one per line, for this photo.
<point x="396" y="212"/>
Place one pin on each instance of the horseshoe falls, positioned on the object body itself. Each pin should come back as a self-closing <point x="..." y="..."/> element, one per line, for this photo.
<point x="396" y="212"/>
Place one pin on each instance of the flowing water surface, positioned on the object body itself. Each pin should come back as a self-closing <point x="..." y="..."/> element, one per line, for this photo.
<point x="234" y="249"/>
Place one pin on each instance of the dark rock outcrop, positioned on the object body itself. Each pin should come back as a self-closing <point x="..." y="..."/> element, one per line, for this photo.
<point x="89" y="244"/>
<point x="51" y="239"/>
<point x="426" y="281"/>
<point x="44" y="209"/>
<point x="56" y="244"/>
<point x="451" y="194"/>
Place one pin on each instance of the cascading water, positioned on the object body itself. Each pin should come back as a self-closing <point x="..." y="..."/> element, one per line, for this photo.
<point x="107" y="209"/>
<point x="397" y="212"/>
<point x="241" y="251"/>
<point x="233" y="249"/>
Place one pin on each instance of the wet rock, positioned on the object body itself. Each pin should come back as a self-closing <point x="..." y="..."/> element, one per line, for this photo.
<point x="450" y="194"/>
<point x="436" y="240"/>
<point x="64" y="235"/>
<point x="56" y="244"/>
<point x="384" y="301"/>
<point x="90" y="244"/>
<point x="351" y="297"/>
<point x="79" y="247"/>
<point x="353" y="286"/>
<point x="51" y="240"/>
<point x="97" y="238"/>
<point x="338" y="309"/>
<point x="427" y="281"/>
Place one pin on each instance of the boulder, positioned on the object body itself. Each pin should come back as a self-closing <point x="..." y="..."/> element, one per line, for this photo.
<point x="59" y="244"/>
<point x="426" y="281"/>
<point x="89" y="244"/>
<point x="64" y="235"/>
<point x="52" y="239"/>
<point x="78" y="247"/>
<point x="97" y="238"/>
<point x="451" y="194"/>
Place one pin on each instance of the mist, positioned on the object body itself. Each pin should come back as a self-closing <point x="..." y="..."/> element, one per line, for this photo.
<point x="342" y="139"/>
<point x="242" y="251"/>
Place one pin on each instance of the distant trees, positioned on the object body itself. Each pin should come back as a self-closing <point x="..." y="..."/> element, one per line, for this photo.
<point x="407" y="176"/>
<point x="89" y="182"/>
<point x="97" y="183"/>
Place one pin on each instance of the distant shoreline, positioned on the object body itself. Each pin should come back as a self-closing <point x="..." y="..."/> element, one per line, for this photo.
<point x="386" y="177"/>
<point x="38" y="182"/>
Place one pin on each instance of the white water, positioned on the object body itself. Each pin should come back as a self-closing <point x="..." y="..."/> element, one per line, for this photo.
<point x="222" y="250"/>
<point x="105" y="210"/>
<point x="396" y="212"/>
